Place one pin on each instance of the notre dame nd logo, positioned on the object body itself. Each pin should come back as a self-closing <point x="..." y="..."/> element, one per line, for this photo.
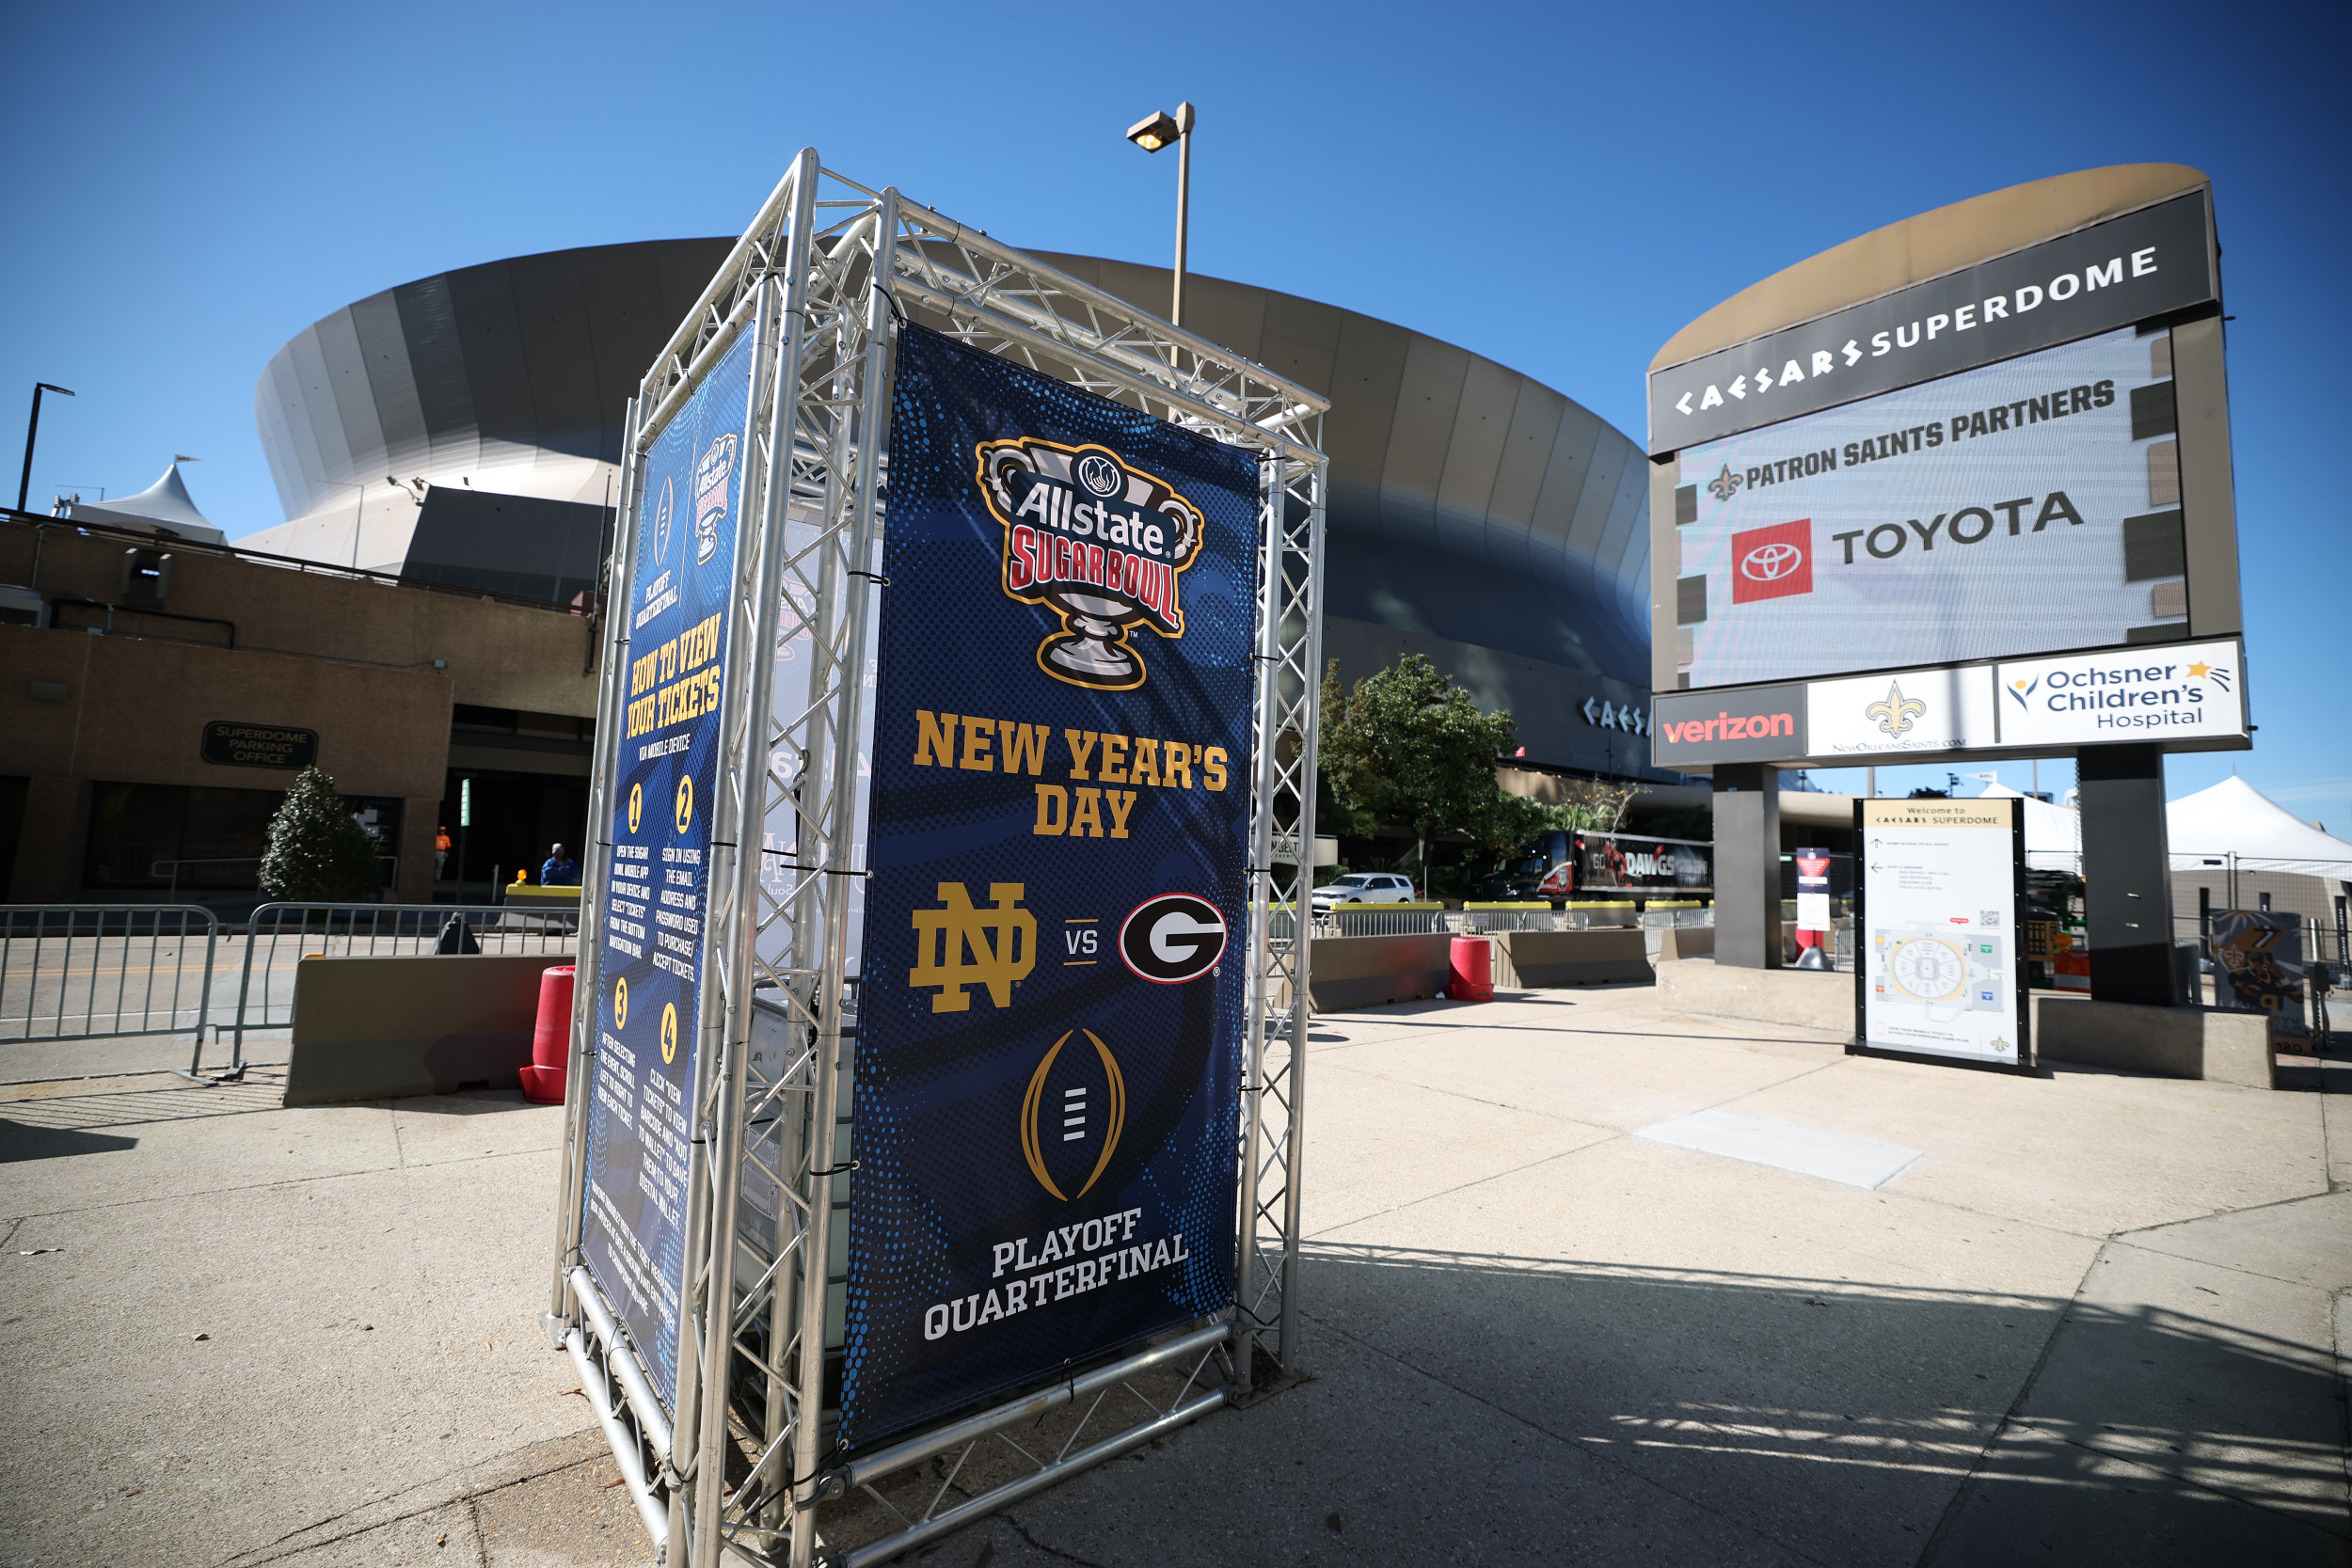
<point x="1104" y="545"/>
<point x="958" y="946"/>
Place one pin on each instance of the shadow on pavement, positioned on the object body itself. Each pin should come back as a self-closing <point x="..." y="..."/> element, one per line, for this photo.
<point x="2314" y="1074"/>
<point x="462" y="1102"/>
<point x="19" y="1141"/>
<point x="1828" y="1412"/>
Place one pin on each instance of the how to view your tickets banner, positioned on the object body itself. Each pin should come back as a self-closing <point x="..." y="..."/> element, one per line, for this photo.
<point x="2026" y="507"/>
<point x="1941" y="894"/>
<point x="664" y="783"/>
<point x="1050" y="1015"/>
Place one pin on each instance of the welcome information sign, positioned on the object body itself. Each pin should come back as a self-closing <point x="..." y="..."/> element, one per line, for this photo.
<point x="1050" y="1015"/>
<point x="649" y="973"/>
<point x="1939" y="969"/>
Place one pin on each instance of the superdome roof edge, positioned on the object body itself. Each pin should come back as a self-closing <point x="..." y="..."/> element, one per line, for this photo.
<point x="1926" y="244"/>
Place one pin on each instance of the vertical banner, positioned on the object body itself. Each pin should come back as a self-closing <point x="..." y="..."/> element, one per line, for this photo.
<point x="1050" y="1017"/>
<point x="2259" y="957"/>
<point x="1813" y="919"/>
<point x="1939" y="898"/>
<point x="665" y="783"/>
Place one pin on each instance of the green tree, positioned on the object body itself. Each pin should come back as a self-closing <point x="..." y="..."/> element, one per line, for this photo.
<point x="1589" y="804"/>
<point x="317" y="850"/>
<point x="1408" y="748"/>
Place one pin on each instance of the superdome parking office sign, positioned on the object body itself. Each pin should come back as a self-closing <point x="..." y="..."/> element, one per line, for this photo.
<point x="1050" y="1023"/>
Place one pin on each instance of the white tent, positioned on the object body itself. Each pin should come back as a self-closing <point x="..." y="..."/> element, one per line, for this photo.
<point x="2053" y="833"/>
<point x="2233" y="818"/>
<point x="163" y="505"/>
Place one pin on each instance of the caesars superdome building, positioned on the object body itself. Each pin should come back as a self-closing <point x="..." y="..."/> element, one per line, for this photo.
<point x="466" y="429"/>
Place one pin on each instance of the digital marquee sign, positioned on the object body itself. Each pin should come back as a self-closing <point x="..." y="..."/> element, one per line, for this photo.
<point x="2018" y="508"/>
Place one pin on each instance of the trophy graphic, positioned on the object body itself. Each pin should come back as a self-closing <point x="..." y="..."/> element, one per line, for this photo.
<point x="710" y="495"/>
<point x="1101" y="544"/>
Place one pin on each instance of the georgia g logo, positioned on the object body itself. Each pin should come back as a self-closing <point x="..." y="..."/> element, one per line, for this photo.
<point x="1104" y="545"/>
<point x="1172" y="940"/>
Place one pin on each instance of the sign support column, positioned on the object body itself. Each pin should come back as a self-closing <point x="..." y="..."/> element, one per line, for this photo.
<point x="2127" y="891"/>
<point x="1747" y="865"/>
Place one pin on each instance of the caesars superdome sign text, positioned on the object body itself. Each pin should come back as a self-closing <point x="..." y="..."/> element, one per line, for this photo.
<point x="2128" y="269"/>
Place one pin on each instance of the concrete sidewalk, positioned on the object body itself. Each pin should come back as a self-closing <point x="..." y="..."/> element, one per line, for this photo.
<point x="2091" y="1319"/>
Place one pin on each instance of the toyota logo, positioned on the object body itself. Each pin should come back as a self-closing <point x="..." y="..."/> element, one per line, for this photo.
<point x="1172" y="939"/>
<point x="1770" y="563"/>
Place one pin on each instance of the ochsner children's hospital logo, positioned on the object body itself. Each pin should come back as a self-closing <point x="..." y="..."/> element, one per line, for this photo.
<point x="1104" y="545"/>
<point x="710" y="494"/>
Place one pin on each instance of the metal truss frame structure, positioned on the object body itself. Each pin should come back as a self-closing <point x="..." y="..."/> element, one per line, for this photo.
<point x="744" y="1464"/>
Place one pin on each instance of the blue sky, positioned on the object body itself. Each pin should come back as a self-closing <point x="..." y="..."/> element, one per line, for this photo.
<point x="1557" y="187"/>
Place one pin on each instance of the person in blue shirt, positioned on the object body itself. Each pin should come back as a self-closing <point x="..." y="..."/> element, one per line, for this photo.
<point x="560" y="871"/>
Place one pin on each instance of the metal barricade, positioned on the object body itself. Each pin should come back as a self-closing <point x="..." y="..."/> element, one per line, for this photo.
<point x="1381" y="920"/>
<point x="1478" y="922"/>
<point x="279" y="936"/>
<point x="76" y="971"/>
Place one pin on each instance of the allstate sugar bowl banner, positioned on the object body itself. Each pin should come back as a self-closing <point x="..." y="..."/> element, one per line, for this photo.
<point x="1050" y="1018"/>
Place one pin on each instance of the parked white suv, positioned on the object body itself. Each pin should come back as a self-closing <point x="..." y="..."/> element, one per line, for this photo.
<point x="1365" y="887"/>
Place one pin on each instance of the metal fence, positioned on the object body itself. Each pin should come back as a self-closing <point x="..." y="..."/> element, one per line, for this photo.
<point x="70" y="972"/>
<point x="75" y="971"/>
<point x="1396" y="920"/>
<point x="1377" y="920"/>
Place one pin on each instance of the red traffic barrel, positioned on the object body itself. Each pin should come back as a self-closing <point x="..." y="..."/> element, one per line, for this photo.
<point x="551" y="1039"/>
<point x="1472" y="962"/>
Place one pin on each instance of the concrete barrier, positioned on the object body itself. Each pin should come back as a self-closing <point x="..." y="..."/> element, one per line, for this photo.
<point x="1686" y="942"/>
<point x="2172" y="1043"/>
<point x="1806" y="998"/>
<point x="1344" y="973"/>
<point x="382" y="1028"/>
<point x="1536" y="960"/>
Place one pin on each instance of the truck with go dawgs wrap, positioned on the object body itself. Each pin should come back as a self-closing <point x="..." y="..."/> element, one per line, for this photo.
<point x="1590" y="862"/>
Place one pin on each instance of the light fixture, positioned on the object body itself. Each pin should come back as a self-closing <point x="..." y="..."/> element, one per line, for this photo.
<point x="1155" y="133"/>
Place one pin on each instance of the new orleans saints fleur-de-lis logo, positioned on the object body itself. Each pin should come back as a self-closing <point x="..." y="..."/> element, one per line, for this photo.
<point x="1723" y="485"/>
<point x="1895" y="713"/>
<point x="1000" y="942"/>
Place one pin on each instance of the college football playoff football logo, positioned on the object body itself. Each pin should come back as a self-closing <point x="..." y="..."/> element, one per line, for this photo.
<point x="1103" y="544"/>
<point x="664" y="514"/>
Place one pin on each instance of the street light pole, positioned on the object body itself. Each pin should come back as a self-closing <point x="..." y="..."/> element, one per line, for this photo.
<point x="24" y="485"/>
<point x="1151" y="135"/>
<point x="1184" y="205"/>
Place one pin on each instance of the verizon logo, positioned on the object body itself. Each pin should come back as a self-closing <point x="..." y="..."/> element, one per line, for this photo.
<point x="1730" y="726"/>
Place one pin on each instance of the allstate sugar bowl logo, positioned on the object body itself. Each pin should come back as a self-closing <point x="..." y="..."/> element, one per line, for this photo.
<point x="1104" y="545"/>
<point x="710" y="495"/>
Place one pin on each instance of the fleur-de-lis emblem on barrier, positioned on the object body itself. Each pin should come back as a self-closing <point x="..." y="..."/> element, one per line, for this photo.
<point x="1723" y="485"/>
<point x="1896" y="712"/>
